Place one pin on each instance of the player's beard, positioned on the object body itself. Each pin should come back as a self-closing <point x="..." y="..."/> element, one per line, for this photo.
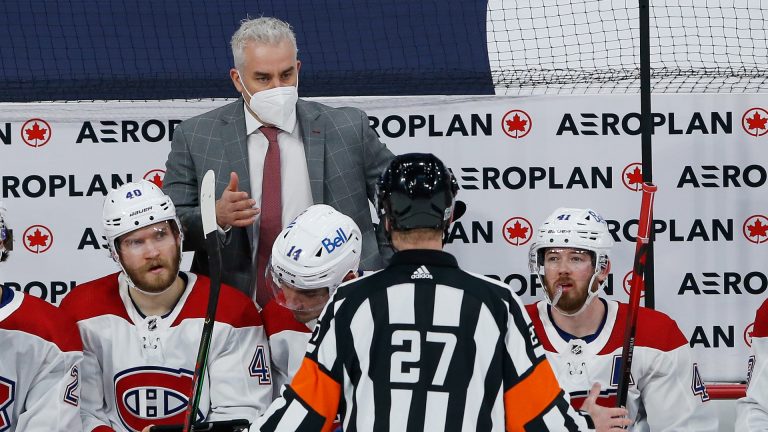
<point x="572" y="299"/>
<point x="151" y="282"/>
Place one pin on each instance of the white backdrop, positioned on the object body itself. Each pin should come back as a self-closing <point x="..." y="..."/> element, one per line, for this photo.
<point x="516" y="160"/>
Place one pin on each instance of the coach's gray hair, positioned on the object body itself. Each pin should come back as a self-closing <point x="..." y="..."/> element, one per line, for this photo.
<point x="265" y="30"/>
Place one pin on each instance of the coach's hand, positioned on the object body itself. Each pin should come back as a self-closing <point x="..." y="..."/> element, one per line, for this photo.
<point x="235" y="207"/>
<point x="605" y="419"/>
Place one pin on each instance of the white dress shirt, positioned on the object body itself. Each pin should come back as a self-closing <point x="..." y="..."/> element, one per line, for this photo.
<point x="294" y="177"/>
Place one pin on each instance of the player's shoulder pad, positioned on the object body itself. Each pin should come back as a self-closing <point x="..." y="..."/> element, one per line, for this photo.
<point x="42" y="319"/>
<point x="655" y="329"/>
<point x="95" y="298"/>
<point x="761" y="321"/>
<point x="278" y="319"/>
<point x="234" y="308"/>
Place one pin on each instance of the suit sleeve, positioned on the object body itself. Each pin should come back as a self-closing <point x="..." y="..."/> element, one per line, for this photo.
<point x="311" y="401"/>
<point x="240" y="374"/>
<point x="533" y="399"/>
<point x="675" y="375"/>
<point x="752" y="410"/>
<point x="181" y="184"/>
<point x="53" y="400"/>
<point x="377" y="158"/>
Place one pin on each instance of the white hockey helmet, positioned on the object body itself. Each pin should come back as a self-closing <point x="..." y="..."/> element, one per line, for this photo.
<point x="133" y="206"/>
<point x="6" y="239"/>
<point x="317" y="250"/>
<point x="572" y="228"/>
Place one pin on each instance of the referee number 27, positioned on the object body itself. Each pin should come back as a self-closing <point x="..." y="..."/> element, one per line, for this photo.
<point x="401" y="373"/>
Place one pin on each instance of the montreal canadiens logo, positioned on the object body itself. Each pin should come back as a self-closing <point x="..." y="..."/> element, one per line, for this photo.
<point x="748" y="334"/>
<point x="754" y="122"/>
<point x="516" y="123"/>
<point x="755" y="229"/>
<point x="38" y="239"/>
<point x="632" y="176"/>
<point x="627" y="284"/>
<point x="156" y="176"/>
<point x="36" y="132"/>
<point x="7" y="396"/>
<point x="517" y="231"/>
<point x="152" y="395"/>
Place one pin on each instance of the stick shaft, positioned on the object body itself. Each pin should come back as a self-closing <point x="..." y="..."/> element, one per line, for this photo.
<point x="645" y="222"/>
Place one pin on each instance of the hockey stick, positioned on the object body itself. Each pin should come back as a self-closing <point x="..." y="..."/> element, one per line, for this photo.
<point x="643" y="239"/>
<point x="208" y="215"/>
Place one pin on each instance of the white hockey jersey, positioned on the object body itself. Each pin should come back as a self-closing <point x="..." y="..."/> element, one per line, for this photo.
<point x="287" y="342"/>
<point x="39" y="366"/>
<point x="138" y="370"/>
<point x="666" y="392"/>
<point x="752" y="410"/>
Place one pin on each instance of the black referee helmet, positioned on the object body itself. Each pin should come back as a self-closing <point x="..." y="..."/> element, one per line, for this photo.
<point x="416" y="191"/>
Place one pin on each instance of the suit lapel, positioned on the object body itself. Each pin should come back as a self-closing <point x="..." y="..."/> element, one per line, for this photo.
<point x="313" y="136"/>
<point x="235" y="144"/>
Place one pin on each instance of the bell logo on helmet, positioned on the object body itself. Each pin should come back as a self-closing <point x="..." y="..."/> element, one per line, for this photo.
<point x="340" y="239"/>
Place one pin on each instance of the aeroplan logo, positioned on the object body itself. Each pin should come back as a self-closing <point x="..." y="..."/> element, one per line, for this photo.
<point x="632" y="176"/>
<point x="331" y="244"/>
<point x="38" y="239"/>
<point x="517" y="231"/>
<point x="516" y="123"/>
<point x="755" y="229"/>
<point x="754" y="122"/>
<point x="36" y="132"/>
<point x="155" y="176"/>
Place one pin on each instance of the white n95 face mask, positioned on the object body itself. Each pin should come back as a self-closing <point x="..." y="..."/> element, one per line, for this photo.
<point x="275" y="106"/>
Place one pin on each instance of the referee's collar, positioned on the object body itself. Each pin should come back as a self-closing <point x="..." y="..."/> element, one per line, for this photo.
<point x="424" y="257"/>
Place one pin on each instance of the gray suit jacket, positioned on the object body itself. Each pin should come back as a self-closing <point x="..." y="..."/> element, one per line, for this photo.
<point x="344" y="160"/>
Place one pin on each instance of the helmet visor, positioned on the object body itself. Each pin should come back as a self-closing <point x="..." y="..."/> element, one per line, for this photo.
<point x="306" y="304"/>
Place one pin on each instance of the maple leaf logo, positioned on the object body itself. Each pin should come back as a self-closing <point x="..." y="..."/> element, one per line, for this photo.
<point x="516" y="123"/>
<point x="157" y="180"/>
<point x="748" y="332"/>
<point x="628" y="284"/>
<point x="517" y="231"/>
<point x="635" y="177"/>
<point x="755" y="229"/>
<point x="755" y="121"/>
<point x="38" y="239"/>
<point x="35" y="132"/>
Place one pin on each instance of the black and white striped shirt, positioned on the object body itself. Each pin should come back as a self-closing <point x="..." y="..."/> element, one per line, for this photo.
<point x="424" y="346"/>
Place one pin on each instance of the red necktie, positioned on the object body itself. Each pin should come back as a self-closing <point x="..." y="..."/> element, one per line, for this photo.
<point x="271" y="212"/>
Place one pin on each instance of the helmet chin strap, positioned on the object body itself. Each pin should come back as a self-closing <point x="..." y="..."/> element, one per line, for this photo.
<point x="559" y="293"/>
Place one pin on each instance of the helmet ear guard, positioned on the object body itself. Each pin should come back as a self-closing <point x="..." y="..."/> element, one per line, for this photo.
<point x="6" y="236"/>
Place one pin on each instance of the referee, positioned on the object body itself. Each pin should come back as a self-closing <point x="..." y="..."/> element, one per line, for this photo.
<point x="424" y="345"/>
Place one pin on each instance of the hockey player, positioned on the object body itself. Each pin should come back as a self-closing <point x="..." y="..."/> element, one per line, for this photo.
<point x="315" y="253"/>
<point x="142" y="328"/>
<point x="752" y="410"/>
<point x="423" y="345"/>
<point x="583" y="333"/>
<point x="39" y="361"/>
